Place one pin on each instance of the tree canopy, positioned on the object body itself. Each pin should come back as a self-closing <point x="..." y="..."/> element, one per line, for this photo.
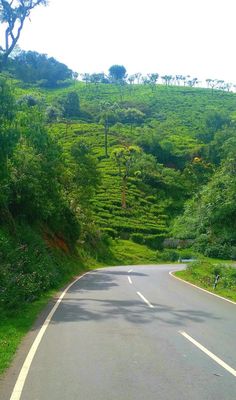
<point x="117" y="73"/>
<point x="12" y="15"/>
<point x="33" y="67"/>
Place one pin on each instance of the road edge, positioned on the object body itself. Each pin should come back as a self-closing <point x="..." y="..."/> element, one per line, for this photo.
<point x="171" y="273"/>
<point x="24" y="370"/>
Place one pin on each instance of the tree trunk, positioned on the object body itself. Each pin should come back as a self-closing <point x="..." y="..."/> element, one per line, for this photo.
<point x="106" y="139"/>
<point x="123" y="194"/>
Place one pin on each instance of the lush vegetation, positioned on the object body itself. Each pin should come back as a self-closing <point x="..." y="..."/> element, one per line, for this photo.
<point x="84" y="164"/>
<point x="108" y="172"/>
<point x="116" y="169"/>
<point x="217" y="277"/>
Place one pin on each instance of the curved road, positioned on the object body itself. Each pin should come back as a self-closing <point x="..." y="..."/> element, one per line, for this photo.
<point x="131" y="333"/>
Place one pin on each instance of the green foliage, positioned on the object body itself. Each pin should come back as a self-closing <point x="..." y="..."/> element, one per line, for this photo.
<point x="12" y="16"/>
<point x="32" y="67"/>
<point x="70" y="105"/>
<point x="154" y="241"/>
<point x="168" y="255"/>
<point x="171" y="173"/>
<point x="117" y="73"/>
<point x="137" y="238"/>
<point x="211" y="215"/>
<point x="125" y="252"/>
<point x="204" y="272"/>
<point x="216" y="120"/>
<point x="57" y="177"/>
<point x="26" y="268"/>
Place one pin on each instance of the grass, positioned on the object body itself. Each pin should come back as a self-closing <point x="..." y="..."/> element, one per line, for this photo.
<point x="203" y="273"/>
<point x="125" y="252"/>
<point x="16" y="323"/>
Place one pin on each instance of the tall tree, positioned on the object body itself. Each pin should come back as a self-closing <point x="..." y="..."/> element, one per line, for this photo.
<point x="153" y="78"/>
<point x="117" y="73"/>
<point x="167" y="79"/>
<point x="33" y="67"/>
<point x="212" y="83"/>
<point x="108" y="116"/>
<point x="13" y="14"/>
<point x="125" y="158"/>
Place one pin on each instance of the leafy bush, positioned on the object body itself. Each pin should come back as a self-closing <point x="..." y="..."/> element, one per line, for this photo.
<point x="214" y="247"/>
<point x="70" y="105"/>
<point x="205" y="273"/>
<point x="29" y="100"/>
<point x="26" y="269"/>
<point x="137" y="238"/>
<point x="168" y="255"/>
<point x="186" y="254"/>
<point x="110" y="232"/>
<point x="154" y="241"/>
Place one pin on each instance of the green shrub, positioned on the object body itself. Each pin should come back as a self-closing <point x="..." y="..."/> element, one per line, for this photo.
<point x="205" y="272"/>
<point x="27" y="268"/>
<point x="169" y="255"/>
<point x="218" y="250"/>
<point x="110" y="232"/>
<point x="213" y="248"/>
<point x="137" y="238"/>
<point x="154" y="241"/>
<point x="186" y="254"/>
<point x="233" y="253"/>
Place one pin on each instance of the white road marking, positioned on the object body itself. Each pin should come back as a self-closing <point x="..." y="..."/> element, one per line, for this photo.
<point x="209" y="353"/>
<point x="130" y="280"/>
<point x="130" y="270"/>
<point x="145" y="300"/>
<point x="197" y="287"/>
<point x="17" y="391"/>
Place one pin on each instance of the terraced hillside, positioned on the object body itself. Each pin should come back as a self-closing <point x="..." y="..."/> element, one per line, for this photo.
<point x="143" y="213"/>
<point x="184" y="134"/>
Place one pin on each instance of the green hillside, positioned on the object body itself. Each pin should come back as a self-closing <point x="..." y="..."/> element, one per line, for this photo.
<point x="84" y="164"/>
<point x="182" y="133"/>
<point x="107" y="169"/>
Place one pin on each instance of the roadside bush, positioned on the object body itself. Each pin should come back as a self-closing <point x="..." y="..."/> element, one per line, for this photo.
<point x="169" y="255"/>
<point x="186" y="254"/>
<point x="233" y="253"/>
<point x="27" y="268"/>
<point x="217" y="250"/>
<point x="205" y="273"/>
<point x="213" y="248"/>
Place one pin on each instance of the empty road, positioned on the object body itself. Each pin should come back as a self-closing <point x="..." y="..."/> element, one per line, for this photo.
<point x="130" y="333"/>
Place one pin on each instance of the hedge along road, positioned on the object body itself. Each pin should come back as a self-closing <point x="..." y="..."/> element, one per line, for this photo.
<point x="125" y="333"/>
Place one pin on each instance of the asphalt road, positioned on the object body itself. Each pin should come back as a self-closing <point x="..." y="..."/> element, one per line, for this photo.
<point x="132" y="333"/>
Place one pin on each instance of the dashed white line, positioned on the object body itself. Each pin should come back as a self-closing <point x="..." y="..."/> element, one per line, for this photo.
<point x="130" y="280"/>
<point x="145" y="300"/>
<point x="17" y="391"/>
<point x="209" y="353"/>
<point x="130" y="270"/>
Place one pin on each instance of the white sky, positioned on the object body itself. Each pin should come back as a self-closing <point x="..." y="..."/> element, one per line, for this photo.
<point x="195" y="37"/>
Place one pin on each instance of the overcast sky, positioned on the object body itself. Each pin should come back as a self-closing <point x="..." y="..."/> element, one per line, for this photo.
<point x="195" y="37"/>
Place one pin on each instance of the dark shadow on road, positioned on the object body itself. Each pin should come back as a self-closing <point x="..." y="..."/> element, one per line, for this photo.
<point x="100" y="280"/>
<point x="124" y="273"/>
<point x="89" y="300"/>
<point x="134" y="311"/>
